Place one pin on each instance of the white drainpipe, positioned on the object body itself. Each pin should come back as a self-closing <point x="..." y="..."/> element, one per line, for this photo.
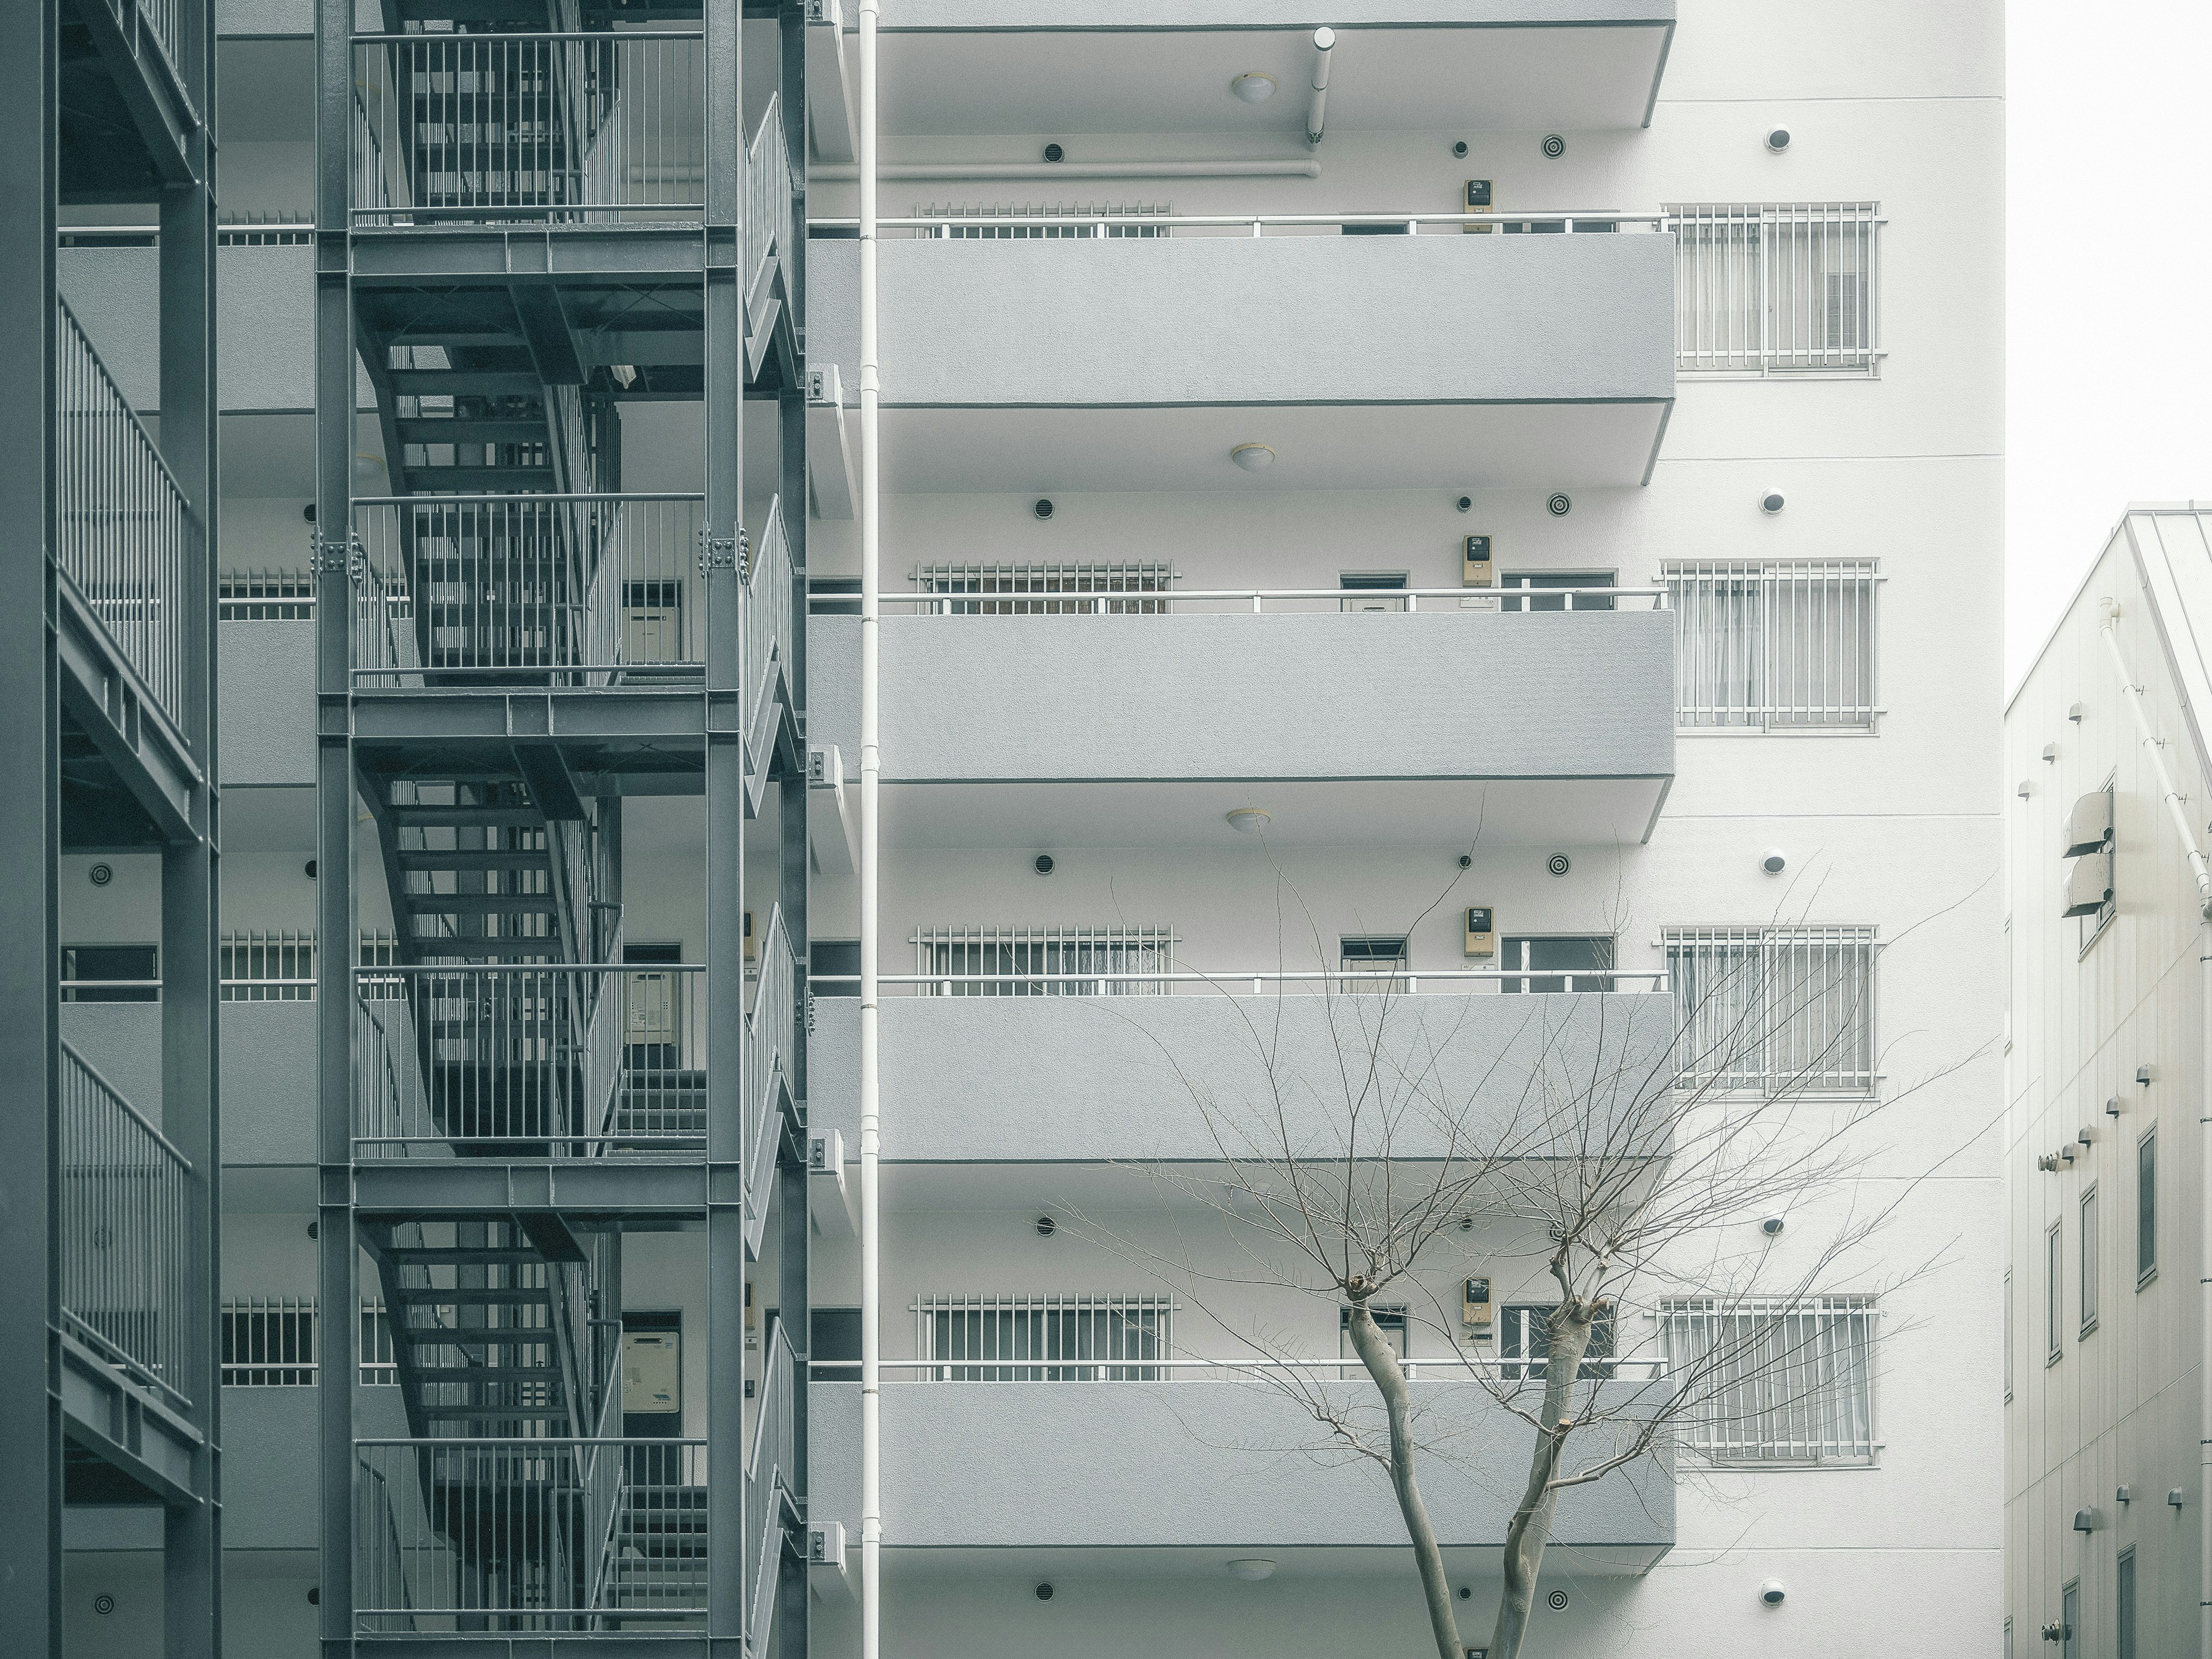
<point x="871" y="1500"/>
<point x="1318" y="104"/>
<point x="2175" y="800"/>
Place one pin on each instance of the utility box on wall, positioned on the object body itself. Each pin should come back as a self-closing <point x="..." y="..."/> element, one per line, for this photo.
<point x="1475" y="1314"/>
<point x="1481" y="931"/>
<point x="1477" y="200"/>
<point x="1476" y="570"/>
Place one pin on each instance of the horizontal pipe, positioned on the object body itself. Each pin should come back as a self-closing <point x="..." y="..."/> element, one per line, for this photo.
<point x="1544" y="215"/>
<point x="1272" y="976"/>
<point x="847" y="172"/>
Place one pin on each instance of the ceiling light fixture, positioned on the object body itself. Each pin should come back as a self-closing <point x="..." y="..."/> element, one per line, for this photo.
<point x="1253" y="87"/>
<point x="1248" y="820"/>
<point x="1252" y="1569"/>
<point x="1253" y="458"/>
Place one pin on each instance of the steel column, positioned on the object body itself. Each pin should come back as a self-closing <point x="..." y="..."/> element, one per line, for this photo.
<point x="30" y="830"/>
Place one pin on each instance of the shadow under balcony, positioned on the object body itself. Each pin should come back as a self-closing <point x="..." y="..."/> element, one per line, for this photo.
<point x="1436" y="360"/>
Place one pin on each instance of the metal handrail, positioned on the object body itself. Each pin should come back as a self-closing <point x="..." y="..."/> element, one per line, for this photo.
<point x="770" y="1028"/>
<point x="126" y="1232"/>
<point x="1567" y="218"/>
<point x="768" y="605"/>
<point x="1652" y="1368"/>
<point x="1157" y="601"/>
<point x="768" y="192"/>
<point x="767" y="1459"/>
<point x="124" y="529"/>
<point x="1651" y="979"/>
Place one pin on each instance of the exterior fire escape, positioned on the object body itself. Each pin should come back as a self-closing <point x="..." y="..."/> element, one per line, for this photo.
<point x="531" y="214"/>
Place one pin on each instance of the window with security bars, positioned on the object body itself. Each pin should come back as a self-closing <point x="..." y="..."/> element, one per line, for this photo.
<point x="1016" y="223"/>
<point x="1129" y="589"/>
<point x="1044" y="962"/>
<point x="1774" y="646"/>
<point x="1775" y="1383"/>
<point x="269" y="1342"/>
<point x="1764" y="288"/>
<point x="265" y="595"/>
<point x="1524" y="1343"/>
<point x="263" y="967"/>
<point x="1773" y="1009"/>
<point x="1043" y="1339"/>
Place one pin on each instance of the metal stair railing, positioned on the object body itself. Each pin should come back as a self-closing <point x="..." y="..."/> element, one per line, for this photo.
<point x="767" y="195"/>
<point x="770" y="1031"/>
<point x="768" y="1461"/>
<point x="768" y="610"/>
<point x="122" y="528"/>
<point x="125" y="1191"/>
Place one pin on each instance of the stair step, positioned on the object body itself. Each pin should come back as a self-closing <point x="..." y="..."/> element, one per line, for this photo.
<point x="421" y="859"/>
<point x="497" y="1414"/>
<point x="467" y="818"/>
<point x="470" y="429"/>
<point x="495" y="1374"/>
<point x="484" y="904"/>
<point x="469" y="480"/>
<point x="450" y="951"/>
<point x="441" y="1296"/>
<point x="465" y="383"/>
<point x="460" y="1256"/>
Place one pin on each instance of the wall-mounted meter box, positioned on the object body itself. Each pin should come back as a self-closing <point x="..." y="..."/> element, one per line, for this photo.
<point x="1476" y="568"/>
<point x="1481" y="931"/>
<point x="1477" y="200"/>
<point x="653" y="1373"/>
<point x="1475" y="1310"/>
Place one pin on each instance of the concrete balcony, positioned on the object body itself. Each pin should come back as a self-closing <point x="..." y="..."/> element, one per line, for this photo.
<point x="1000" y="66"/>
<point x="1192" y="1465"/>
<point x="1085" y="1080"/>
<point x="1555" y="727"/>
<point x="1437" y="360"/>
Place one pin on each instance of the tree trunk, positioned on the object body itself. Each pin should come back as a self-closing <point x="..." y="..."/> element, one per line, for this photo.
<point x="1374" y="1352"/>
<point x="1531" y="1527"/>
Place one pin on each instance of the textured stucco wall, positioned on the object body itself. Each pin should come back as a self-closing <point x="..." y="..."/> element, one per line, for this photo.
<point x="1191" y="1463"/>
<point x="271" y="1485"/>
<point x="268" y="1070"/>
<point x="264" y="321"/>
<point x="1548" y="694"/>
<point x="267" y="682"/>
<point x="1046" y="1079"/>
<point x="1418" y="320"/>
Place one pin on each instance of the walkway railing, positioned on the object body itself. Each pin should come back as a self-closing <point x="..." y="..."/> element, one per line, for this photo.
<point x="771" y="1028"/>
<point x="545" y="1060"/>
<point x="553" y="128"/>
<point x="1632" y="1368"/>
<point x="1143" y="226"/>
<point x="550" y="589"/>
<point x="1258" y="600"/>
<point x="769" y="1465"/>
<point x="126" y="1240"/>
<point x="509" y="1535"/>
<point x="123" y="527"/>
<point x="1437" y="982"/>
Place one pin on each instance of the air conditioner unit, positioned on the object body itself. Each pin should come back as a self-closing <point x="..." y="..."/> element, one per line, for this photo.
<point x="2089" y="884"/>
<point x="2089" y="824"/>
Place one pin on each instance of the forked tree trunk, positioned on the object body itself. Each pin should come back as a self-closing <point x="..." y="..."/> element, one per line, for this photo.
<point x="1531" y="1527"/>
<point x="1374" y="1351"/>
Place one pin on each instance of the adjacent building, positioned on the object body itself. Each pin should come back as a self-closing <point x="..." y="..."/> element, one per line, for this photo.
<point x="2105" y="1374"/>
<point x="1490" y="502"/>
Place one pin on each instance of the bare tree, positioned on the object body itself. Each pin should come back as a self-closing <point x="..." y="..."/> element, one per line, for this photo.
<point x="1633" y="1145"/>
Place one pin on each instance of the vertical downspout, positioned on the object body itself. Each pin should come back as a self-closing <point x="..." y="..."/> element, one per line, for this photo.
<point x="872" y="1507"/>
<point x="2197" y="868"/>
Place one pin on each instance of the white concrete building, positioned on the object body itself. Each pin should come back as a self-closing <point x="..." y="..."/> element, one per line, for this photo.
<point x="1200" y="407"/>
<point x="2104" y="1373"/>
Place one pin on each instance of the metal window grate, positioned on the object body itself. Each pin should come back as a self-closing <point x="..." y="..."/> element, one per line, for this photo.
<point x="1048" y="590"/>
<point x="1769" y="287"/>
<point x="1043" y="1339"/>
<point x="1012" y="229"/>
<point x="994" y="961"/>
<point x="1524" y="1343"/>
<point x="1774" y="1009"/>
<point x="1774" y="646"/>
<point x="1777" y="1382"/>
<point x="266" y="967"/>
<point x="269" y="1342"/>
<point x="265" y="596"/>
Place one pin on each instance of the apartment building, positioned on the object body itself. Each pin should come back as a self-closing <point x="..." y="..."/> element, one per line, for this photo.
<point x="1525" y="459"/>
<point x="2104" y="1319"/>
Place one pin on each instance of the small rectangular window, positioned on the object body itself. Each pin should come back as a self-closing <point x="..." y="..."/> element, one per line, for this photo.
<point x="1373" y="590"/>
<point x="833" y="967"/>
<point x="1389" y="1319"/>
<point x="1574" y="582"/>
<point x="2070" y="1621"/>
<point x="1524" y="1343"/>
<point x="2088" y="1262"/>
<point x="111" y="973"/>
<point x="2123" y="1608"/>
<point x="1578" y="961"/>
<point x="2146" y="1207"/>
<point x="1372" y="962"/>
<point x="2054" y="1288"/>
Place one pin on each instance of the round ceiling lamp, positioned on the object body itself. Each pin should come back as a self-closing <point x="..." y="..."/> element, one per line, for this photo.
<point x="1252" y="1569"/>
<point x="1253" y="458"/>
<point x="1248" y="820"/>
<point x="1253" y="87"/>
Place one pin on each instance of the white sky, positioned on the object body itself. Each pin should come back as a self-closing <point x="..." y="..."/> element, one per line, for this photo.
<point x="2109" y="296"/>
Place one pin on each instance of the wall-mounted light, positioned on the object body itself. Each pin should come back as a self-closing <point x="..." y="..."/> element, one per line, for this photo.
<point x="1253" y="87"/>
<point x="1253" y="458"/>
<point x="1771" y="503"/>
<point x="1248" y="820"/>
<point x="1252" y="1569"/>
<point x="1779" y="140"/>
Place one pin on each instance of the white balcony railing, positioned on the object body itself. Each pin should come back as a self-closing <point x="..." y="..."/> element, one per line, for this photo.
<point x="992" y="224"/>
<point x="1412" y="981"/>
<point x="1043" y="1338"/>
<point x="1047" y="595"/>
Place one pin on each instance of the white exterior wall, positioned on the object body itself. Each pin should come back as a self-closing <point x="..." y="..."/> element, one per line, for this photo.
<point x="2120" y="1405"/>
<point x="1890" y="101"/>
